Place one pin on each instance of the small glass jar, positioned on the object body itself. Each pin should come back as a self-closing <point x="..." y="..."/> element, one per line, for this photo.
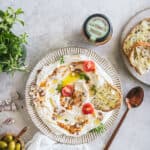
<point x="97" y="29"/>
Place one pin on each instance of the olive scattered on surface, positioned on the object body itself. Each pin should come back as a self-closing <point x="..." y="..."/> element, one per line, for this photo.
<point x="3" y="144"/>
<point x="18" y="146"/>
<point x="8" y="138"/>
<point x="12" y="145"/>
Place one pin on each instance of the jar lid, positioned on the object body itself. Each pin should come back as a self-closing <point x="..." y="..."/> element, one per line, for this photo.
<point x="97" y="28"/>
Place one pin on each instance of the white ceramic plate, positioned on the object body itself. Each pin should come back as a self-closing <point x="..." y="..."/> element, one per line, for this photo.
<point x="131" y="23"/>
<point x="51" y="58"/>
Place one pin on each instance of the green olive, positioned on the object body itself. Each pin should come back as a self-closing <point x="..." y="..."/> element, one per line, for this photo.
<point x="3" y="144"/>
<point x="18" y="146"/>
<point x="8" y="138"/>
<point x="12" y="145"/>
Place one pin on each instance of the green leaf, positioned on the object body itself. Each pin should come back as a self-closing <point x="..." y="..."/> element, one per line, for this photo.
<point x="1" y="68"/>
<point x="3" y="27"/>
<point x="19" y="11"/>
<point x="10" y="10"/>
<point x="84" y="76"/>
<point x="66" y="119"/>
<point x="62" y="60"/>
<point x="3" y="48"/>
<point x="59" y="87"/>
<point x="1" y="13"/>
<point x="100" y="129"/>
<point x="9" y="20"/>
<point x="23" y="38"/>
<point x="20" y="21"/>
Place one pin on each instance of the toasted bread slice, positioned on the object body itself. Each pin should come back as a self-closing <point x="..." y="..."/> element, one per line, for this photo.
<point x="107" y="98"/>
<point x="140" y="57"/>
<point x="139" y="33"/>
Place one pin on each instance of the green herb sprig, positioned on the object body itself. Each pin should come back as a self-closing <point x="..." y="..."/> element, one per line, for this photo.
<point x="100" y="129"/>
<point x="93" y="88"/>
<point x="62" y="60"/>
<point x="82" y="75"/>
<point x="59" y="87"/>
<point x="66" y="120"/>
<point x="12" y="51"/>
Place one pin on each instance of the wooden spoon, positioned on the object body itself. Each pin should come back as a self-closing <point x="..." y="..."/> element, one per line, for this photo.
<point x="21" y="132"/>
<point x="133" y="99"/>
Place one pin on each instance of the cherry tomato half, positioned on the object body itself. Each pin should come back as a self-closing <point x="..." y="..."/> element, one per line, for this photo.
<point x="87" y="108"/>
<point x="67" y="91"/>
<point x="89" y="66"/>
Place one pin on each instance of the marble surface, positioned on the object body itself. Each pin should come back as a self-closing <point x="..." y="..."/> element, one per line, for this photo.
<point x="54" y="24"/>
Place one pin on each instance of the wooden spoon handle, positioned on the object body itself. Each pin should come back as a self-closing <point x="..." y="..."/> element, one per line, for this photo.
<point x="22" y="132"/>
<point x="116" y="130"/>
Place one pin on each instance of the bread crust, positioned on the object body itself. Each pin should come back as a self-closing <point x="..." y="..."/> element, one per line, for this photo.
<point x="132" y="50"/>
<point x="131" y="30"/>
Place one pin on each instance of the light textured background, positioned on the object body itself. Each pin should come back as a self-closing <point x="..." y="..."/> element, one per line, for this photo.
<point x="52" y="24"/>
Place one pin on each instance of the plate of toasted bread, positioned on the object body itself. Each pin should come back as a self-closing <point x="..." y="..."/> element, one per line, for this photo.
<point x="135" y="43"/>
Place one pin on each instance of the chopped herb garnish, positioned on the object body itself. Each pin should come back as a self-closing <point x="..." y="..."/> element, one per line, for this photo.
<point x="62" y="60"/>
<point x="66" y="120"/>
<point x="93" y="88"/>
<point x="99" y="129"/>
<point x="82" y="75"/>
<point x="59" y="87"/>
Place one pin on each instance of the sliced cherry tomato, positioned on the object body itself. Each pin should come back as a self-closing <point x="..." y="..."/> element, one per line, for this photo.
<point x="87" y="108"/>
<point x="89" y="66"/>
<point x="67" y="91"/>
